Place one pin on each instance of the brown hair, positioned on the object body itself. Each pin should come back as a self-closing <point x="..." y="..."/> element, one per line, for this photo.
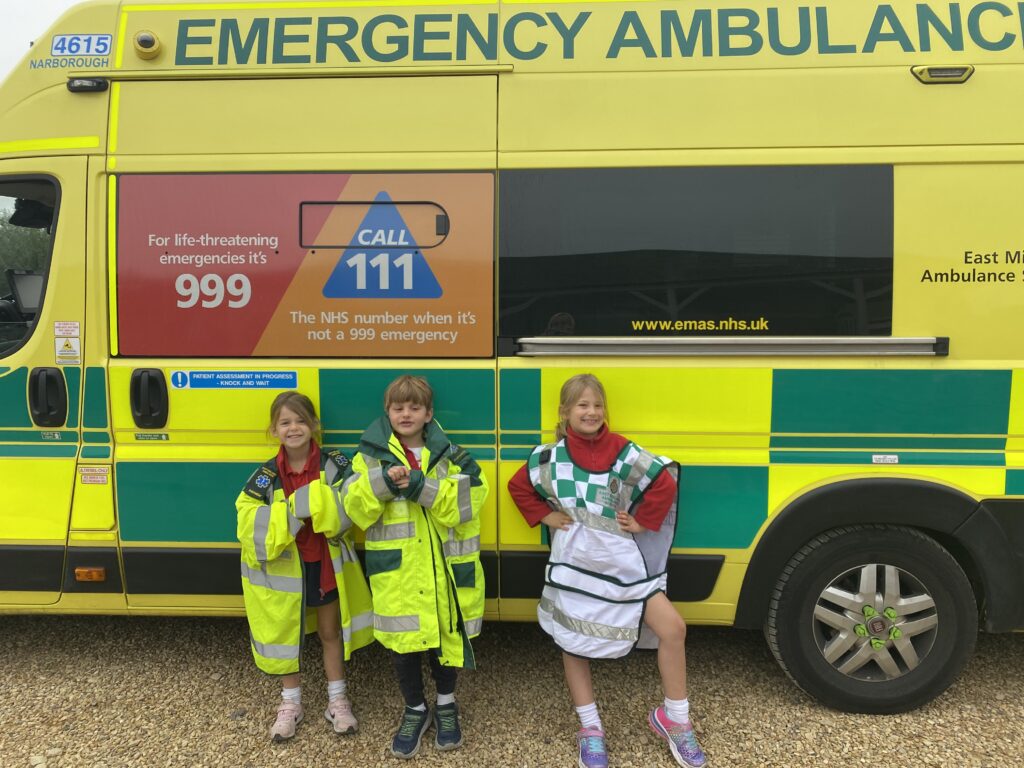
<point x="570" y="395"/>
<point x="299" y="404"/>
<point x="406" y="389"/>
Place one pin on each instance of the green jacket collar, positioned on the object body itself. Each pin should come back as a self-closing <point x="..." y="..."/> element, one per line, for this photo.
<point x="376" y="441"/>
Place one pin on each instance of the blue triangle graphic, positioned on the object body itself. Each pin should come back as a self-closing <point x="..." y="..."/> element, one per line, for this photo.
<point x="390" y="266"/>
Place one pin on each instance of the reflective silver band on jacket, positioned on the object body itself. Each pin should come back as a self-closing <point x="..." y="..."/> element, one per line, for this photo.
<point x="358" y="622"/>
<point x="260" y="578"/>
<point x="375" y="473"/>
<point x="396" y="623"/>
<point x="331" y="472"/>
<point x="640" y="468"/>
<point x="455" y="547"/>
<point x="546" y="476"/>
<point x="344" y="521"/>
<point x="464" y="486"/>
<point x="300" y="502"/>
<point x="474" y="626"/>
<point x="260" y="527"/>
<point x="274" y="650"/>
<point x="588" y="628"/>
<point x="595" y="521"/>
<point x="428" y="495"/>
<point x="380" y="531"/>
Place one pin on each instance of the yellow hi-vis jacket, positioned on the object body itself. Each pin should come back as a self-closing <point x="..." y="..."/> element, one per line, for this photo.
<point x="422" y="543"/>
<point x="272" y="570"/>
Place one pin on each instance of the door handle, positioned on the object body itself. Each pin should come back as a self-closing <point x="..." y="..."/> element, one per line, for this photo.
<point x="149" y="398"/>
<point x="48" y="397"/>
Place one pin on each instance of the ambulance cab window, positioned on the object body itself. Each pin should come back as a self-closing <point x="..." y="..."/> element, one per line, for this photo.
<point x="28" y="214"/>
<point x="713" y="251"/>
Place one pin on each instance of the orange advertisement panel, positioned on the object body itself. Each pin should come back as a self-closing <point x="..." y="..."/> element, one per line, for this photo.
<point x="306" y="265"/>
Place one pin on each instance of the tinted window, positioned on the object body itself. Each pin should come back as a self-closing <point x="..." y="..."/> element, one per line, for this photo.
<point x="696" y="251"/>
<point x="27" y="218"/>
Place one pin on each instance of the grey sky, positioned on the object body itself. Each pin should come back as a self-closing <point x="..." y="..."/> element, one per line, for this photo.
<point x="21" y="22"/>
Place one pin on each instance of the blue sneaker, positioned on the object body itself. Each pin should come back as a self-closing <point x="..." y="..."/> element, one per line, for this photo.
<point x="406" y="741"/>
<point x="446" y="723"/>
<point x="593" y="753"/>
<point x="680" y="737"/>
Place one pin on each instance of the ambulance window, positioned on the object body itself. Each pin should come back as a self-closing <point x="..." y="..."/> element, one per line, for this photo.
<point x="27" y="218"/>
<point x="776" y="251"/>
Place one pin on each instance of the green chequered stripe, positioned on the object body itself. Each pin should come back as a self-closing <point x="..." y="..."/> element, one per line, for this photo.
<point x="94" y="412"/>
<point x="517" y="454"/>
<point x="14" y="399"/>
<point x="520" y="401"/>
<point x="38" y="451"/>
<point x="38" y="436"/>
<point x="721" y="507"/>
<point x="73" y="378"/>
<point x="463" y="399"/>
<point x="96" y="437"/>
<point x="891" y="402"/>
<point x="890" y="443"/>
<point x="1015" y="482"/>
<point x="918" y="458"/>
<point x="179" y="501"/>
<point x="96" y="452"/>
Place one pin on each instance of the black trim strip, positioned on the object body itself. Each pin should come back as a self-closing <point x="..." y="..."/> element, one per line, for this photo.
<point x="690" y="577"/>
<point x="93" y="557"/>
<point x="31" y="568"/>
<point x="171" y="571"/>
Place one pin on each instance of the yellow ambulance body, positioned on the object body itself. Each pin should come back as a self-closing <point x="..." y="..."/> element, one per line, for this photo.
<point x="785" y="237"/>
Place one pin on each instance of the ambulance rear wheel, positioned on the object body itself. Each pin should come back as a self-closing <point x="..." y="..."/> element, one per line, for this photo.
<point x="874" y="619"/>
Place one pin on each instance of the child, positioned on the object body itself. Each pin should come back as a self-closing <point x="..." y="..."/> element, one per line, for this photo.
<point x="611" y="509"/>
<point x="419" y="497"/>
<point x="295" y="557"/>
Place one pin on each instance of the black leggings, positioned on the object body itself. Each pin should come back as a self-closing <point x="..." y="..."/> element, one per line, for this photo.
<point x="409" y="671"/>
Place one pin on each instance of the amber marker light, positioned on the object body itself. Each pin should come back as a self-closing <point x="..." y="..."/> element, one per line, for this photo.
<point x="90" y="574"/>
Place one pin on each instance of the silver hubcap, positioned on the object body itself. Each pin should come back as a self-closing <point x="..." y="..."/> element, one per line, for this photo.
<point x="875" y="622"/>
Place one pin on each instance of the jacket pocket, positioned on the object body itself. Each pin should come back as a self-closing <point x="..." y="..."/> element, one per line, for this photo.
<point x="464" y="574"/>
<point x="382" y="561"/>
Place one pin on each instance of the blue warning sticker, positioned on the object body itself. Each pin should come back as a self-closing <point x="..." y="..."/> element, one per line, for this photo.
<point x="234" y="379"/>
<point x="386" y="263"/>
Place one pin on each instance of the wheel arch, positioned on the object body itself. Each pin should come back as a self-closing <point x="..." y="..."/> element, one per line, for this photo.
<point x="964" y="526"/>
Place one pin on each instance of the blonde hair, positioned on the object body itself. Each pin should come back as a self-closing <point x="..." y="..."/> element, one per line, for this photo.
<point x="301" y="406"/>
<point x="409" y="389"/>
<point x="572" y="390"/>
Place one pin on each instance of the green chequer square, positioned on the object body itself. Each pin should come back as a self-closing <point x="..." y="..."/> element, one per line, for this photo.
<point x="721" y="507"/>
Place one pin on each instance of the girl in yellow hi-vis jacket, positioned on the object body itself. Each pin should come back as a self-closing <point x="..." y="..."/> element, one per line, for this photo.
<point x="296" y="558"/>
<point x="418" y="496"/>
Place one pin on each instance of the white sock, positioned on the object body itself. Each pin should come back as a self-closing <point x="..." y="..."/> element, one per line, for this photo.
<point x="419" y="708"/>
<point x="445" y="698"/>
<point x="678" y="710"/>
<point x="292" y="694"/>
<point x="336" y="689"/>
<point x="589" y="717"/>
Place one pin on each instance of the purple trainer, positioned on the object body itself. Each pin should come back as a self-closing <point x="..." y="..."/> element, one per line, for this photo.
<point x="680" y="737"/>
<point x="593" y="753"/>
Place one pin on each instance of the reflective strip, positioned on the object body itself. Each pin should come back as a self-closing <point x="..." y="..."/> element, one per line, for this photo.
<point x="260" y="527"/>
<point x="300" y="502"/>
<point x="331" y="472"/>
<point x="588" y="628"/>
<point x="595" y="522"/>
<point x="294" y="525"/>
<point x="428" y="495"/>
<point x="640" y="468"/>
<point x="473" y="626"/>
<point x="275" y="650"/>
<point x="456" y="547"/>
<point x="464" y="485"/>
<point x="344" y="521"/>
<point x="381" y="532"/>
<point x="546" y="475"/>
<point x="377" y="485"/>
<point x="359" y="622"/>
<point x="396" y="623"/>
<point x="260" y="578"/>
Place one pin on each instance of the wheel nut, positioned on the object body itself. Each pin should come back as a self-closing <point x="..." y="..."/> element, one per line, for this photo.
<point x="869" y="611"/>
<point x="890" y="613"/>
<point x="895" y="633"/>
<point x="877" y="643"/>
<point x="860" y="630"/>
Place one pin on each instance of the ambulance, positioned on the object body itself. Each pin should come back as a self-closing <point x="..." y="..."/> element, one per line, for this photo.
<point x="787" y="238"/>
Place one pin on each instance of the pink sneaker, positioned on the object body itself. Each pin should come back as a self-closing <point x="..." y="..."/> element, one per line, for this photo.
<point x="289" y="715"/>
<point x="339" y="713"/>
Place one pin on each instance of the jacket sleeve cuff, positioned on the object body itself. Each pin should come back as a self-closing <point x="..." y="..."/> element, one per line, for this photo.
<point x="416" y="480"/>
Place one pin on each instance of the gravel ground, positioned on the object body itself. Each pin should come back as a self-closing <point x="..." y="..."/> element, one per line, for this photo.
<point x="102" y="691"/>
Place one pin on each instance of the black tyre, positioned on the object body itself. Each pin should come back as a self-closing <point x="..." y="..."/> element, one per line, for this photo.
<point x="874" y="619"/>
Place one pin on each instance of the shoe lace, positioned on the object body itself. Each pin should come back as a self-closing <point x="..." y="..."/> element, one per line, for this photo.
<point x="448" y="719"/>
<point x="410" y="725"/>
<point x="594" y="745"/>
